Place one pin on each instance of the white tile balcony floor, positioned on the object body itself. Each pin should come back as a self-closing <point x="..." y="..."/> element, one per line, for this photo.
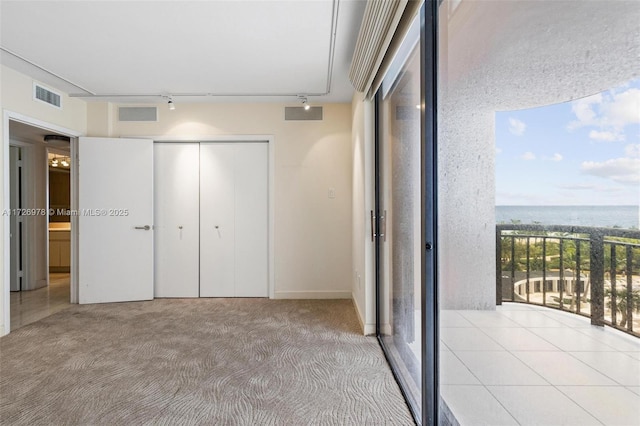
<point x="527" y="365"/>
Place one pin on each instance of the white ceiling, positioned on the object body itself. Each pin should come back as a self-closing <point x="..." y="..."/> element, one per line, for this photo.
<point x="29" y="134"/>
<point x="218" y="50"/>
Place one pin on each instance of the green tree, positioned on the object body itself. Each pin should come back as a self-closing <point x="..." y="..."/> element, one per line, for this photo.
<point x="622" y="303"/>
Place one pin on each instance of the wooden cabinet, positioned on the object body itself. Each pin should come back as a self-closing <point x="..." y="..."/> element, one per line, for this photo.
<point x="59" y="251"/>
<point x="59" y="193"/>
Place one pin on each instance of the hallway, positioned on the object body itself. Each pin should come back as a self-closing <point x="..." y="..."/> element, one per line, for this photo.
<point x="31" y="306"/>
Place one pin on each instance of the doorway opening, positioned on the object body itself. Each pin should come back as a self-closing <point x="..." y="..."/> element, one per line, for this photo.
<point x="40" y="183"/>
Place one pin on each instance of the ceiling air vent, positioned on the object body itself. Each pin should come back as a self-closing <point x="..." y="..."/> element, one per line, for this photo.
<point x="299" y="113"/>
<point x="138" y="113"/>
<point x="47" y="96"/>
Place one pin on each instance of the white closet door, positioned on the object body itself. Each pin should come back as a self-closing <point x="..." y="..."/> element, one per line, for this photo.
<point x="233" y="220"/>
<point x="251" y="245"/>
<point x="177" y="233"/>
<point x="217" y="221"/>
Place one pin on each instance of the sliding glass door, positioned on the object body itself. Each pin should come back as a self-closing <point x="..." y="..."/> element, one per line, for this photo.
<point x="398" y="216"/>
<point x="509" y="98"/>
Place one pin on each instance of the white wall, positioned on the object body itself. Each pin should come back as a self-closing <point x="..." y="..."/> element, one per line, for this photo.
<point x="363" y="274"/>
<point x="312" y="231"/>
<point x="16" y="96"/>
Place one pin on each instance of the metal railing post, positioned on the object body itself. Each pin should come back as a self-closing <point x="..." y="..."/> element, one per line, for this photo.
<point x="578" y="273"/>
<point x="561" y="274"/>
<point x="513" y="268"/>
<point x="528" y="268"/>
<point x="597" y="278"/>
<point x="629" y="288"/>
<point x="544" y="271"/>
<point x="613" y="279"/>
<point x="498" y="267"/>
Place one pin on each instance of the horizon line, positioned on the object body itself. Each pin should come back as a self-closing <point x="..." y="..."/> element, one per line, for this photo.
<point x="567" y="205"/>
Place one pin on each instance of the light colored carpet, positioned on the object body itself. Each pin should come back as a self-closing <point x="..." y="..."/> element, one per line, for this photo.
<point x="198" y="361"/>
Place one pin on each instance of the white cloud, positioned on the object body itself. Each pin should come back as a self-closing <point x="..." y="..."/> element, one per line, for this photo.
<point x="624" y="109"/>
<point x="528" y="156"/>
<point x="516" y="127"/>
<point x="591" y="187"/>
<point x="621" y="170"/>
<point x="610" y="111"/>
<point x="554" y="157"/>
<point x="584" y="111"/>
<point x="632" y="151"/>
<point x="606" y="136"/>
<point x="498" y="150"/>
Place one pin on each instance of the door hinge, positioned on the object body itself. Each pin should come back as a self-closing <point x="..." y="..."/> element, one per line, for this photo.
<point x="382" y="225"/>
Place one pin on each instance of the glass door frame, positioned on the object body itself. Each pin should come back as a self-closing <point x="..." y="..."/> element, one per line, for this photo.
<point x="429" y="195"/>
<point x="429" y="414"/>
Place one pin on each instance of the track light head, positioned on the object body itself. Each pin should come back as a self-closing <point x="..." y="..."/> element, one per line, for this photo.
<point x="305" y="102"/>
<point x="171" y="105"/>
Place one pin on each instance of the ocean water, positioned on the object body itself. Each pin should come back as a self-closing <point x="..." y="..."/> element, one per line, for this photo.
<point x="603" y="216"/>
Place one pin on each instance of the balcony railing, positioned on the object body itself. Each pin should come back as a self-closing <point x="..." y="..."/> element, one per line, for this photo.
<point x="589" y="271"/>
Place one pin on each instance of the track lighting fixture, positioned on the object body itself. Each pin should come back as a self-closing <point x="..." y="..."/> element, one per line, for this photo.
<point x="305" y="102"/>
<point x="171" y="105"/>
<point x="57" y="161"/>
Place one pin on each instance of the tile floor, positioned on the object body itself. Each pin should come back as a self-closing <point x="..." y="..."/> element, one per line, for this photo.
<point x="30" y="306"/>
<point x="523" y="364"/>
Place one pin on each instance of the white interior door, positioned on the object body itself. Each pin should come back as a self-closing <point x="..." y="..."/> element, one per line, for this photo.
<point x="176" y="232"/>
<point x="234" y="220"/>
<point x="115" y="223"/>
<point x="16" y="224"/>
<point x="217" y="221"/>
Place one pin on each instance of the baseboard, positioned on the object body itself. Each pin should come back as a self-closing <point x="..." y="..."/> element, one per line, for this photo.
<point x="367" y="329"/>
<point x="312" y="295"/>
<point x="39" y="284"/>
<point x="386" y="329"/>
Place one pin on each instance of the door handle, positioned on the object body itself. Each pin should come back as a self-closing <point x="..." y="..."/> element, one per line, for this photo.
<point x="373" y="226"/>
<point x="146" y="227"/>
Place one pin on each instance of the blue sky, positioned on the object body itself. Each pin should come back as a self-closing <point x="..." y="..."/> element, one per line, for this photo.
<point x="584" y="152"/>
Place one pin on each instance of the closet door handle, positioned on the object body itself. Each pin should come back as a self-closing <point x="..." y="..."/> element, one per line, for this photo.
<point x="146" y="227"/>
<point x="373" y="226"/>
